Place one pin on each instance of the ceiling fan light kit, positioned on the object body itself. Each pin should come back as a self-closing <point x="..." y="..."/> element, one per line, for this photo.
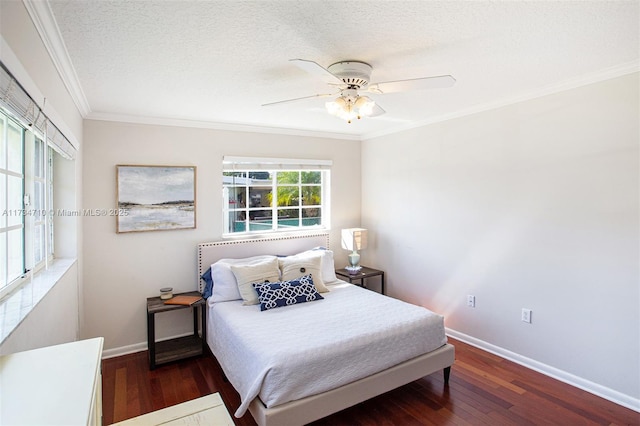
<point x="350" y="105"/>
<point x="352" y="76"/>
<point x="355" y="75"/>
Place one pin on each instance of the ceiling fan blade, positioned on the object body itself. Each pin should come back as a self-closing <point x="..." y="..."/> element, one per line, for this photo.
<point x="377" y="110"/>
<point x="316" y="69"/>
<point x="437" y="82"/>
<point x="323" y="95"/>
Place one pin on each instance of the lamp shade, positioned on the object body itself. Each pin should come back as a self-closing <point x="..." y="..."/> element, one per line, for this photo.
<point x="354" y="238"/>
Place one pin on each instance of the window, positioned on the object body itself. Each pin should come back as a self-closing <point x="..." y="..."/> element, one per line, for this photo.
<point x="274" y="195"/>
<point x="26" y="189"/>
<point x="28" y="139"/>
<point x="11" y="193"/>
<point x="39" y="196"/>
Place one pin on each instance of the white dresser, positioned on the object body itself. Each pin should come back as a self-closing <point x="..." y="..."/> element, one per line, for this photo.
<point x="55" y="385"/>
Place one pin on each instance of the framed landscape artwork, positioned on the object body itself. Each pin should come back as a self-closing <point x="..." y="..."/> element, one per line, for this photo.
<point x="155" y="198"/>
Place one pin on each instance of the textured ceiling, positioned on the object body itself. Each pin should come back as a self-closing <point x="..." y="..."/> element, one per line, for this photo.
<point x="216" y="62"/>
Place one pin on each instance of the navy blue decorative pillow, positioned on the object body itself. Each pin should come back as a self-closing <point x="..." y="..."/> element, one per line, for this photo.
<point x="208" y="288"/>
<point x="275" y="295"/>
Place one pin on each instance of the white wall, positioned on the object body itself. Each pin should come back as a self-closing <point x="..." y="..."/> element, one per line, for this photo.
<point x="52" y="321"/>
<point x="534" y="205"/>
<point x="122" y="270"/>
<point x="55" y="318"/>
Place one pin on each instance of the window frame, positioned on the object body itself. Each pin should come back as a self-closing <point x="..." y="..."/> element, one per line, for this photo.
<point x="32" y="215"/>
<point x="254" y="166"/>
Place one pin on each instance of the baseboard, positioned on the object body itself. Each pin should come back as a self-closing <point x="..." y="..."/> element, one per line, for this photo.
<point x="124" y="350"/>
<point x="563" y="376"/>
<point x="136" y="347"/>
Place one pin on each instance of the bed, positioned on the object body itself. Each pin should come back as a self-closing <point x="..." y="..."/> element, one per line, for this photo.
<point x="339" y="346"/>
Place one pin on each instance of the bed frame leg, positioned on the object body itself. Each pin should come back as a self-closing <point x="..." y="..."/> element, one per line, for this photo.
<point x="447" y="373"/>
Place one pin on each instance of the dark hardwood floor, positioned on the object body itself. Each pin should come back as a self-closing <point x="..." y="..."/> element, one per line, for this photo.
<point x="483" y="389"/>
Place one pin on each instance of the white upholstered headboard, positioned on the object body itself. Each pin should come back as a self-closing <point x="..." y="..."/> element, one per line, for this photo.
<point x="209" y="253"/>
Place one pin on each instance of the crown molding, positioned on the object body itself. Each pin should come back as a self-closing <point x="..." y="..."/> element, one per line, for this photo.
<point x="235" y="127"/>
<point x="47" y="28"/>
<point x="580" y="81"/>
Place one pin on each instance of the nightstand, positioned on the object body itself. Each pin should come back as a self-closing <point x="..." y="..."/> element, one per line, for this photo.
<point x="180" y="347"/>
<point x="361" y="276"/>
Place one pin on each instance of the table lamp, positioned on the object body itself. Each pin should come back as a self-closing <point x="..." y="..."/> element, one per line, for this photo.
<point x="354" y="239"/>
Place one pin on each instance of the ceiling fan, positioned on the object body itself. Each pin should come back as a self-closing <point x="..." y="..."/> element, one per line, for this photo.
<point x="350" y="78"/>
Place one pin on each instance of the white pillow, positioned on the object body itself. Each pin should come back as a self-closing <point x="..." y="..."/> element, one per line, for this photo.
<point x="225" y="286"/>
<point x="293" y="267"/>
<point x="328" y="267"/>
<point x="246" y="275"/>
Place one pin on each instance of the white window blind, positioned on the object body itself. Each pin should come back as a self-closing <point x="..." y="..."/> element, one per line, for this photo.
<point x="230" y="163"/>
<point x="17" y="102"/>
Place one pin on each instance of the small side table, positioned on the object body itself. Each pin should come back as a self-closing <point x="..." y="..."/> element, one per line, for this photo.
<point x="180" y="347"/>
<point x="361" y="276"/>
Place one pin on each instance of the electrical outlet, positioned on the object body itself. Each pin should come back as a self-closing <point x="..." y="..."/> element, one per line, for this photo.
<point x="471" y="301"/>
<point x="526" y="315"/>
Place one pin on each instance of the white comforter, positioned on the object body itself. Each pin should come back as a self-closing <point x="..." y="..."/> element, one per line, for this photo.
<point x="289" y="353"/>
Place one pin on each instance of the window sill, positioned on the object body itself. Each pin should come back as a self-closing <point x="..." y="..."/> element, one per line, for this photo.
<point x="16" y="306"/>
<point x="273" y="233"/>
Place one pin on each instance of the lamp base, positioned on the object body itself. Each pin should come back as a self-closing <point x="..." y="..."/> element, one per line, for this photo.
<point x="352" y="270"/>
<point x="354" y="263"/>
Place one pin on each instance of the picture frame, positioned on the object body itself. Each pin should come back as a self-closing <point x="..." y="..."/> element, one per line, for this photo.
<point x="155" y="198"/>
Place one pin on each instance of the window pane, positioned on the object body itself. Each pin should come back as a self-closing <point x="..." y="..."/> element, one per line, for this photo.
<point x="38" y="243"/>
<point x="38" y="196"/>
<point x="236" y="221"/>
<point x="288" y="177"/>
<point x="311" y="217"/>
<point x="38" y="170"/>
<point x="288" y="218"/>
<point x="237" y="197"/>
<point x="311" y="195"/>
<point x="260" y="220"/>
<point x="3" y="153"/>
<point x="3" y="259"/>
<point x="49" y="201"/>
<point x="311" y="177"/>
<point x="265" y="177"/>
<point x="50" y="241"/>
<point x="14" y="202"/>
<point x="3" y="200"/>
<point x="260" y="196"/>
<point x="288" y="196"/>
<point x="15" y="148"/>
<point x="234" y="178"/>
<point x="15" y="254"/>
